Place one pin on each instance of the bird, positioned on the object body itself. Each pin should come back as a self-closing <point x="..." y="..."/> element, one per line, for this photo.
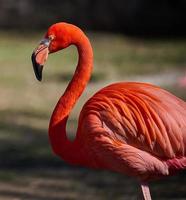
<point x="133" y="128"/>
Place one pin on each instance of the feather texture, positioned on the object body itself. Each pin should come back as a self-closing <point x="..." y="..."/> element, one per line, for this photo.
<point x="139" y="118"/>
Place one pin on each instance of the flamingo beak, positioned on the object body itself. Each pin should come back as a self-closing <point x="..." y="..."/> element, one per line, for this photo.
<point x="39" y="57"/>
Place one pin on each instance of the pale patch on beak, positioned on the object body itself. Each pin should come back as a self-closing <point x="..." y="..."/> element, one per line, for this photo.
<point x="39" y="57"/>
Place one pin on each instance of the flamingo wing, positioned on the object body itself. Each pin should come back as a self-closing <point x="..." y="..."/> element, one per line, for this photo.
<point x="136" y="116"/>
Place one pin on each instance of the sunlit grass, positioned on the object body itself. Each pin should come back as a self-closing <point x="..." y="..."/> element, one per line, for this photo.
<point x="139" y="56"/>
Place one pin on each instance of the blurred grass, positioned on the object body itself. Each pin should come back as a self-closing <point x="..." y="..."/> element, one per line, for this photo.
<point x="28" y="169"/>
<point x="139" y="56"/>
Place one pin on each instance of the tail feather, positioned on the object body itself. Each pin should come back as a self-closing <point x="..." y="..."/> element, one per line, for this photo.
<point x="176" y="164"/>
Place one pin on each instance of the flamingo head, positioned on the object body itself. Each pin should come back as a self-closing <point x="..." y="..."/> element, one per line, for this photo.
<point x="56" y="38"/>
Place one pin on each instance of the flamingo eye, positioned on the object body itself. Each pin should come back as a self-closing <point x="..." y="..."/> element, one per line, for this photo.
<point x="51" y="37"/>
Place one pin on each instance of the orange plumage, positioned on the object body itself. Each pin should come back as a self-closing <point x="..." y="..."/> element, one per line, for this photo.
<point x="132" y="128"/>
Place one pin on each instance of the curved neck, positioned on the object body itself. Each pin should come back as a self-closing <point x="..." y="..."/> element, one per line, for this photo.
<point x="66" y="149"/>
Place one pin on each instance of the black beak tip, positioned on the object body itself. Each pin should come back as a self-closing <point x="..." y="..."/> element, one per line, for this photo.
<point x="37" y="68"/>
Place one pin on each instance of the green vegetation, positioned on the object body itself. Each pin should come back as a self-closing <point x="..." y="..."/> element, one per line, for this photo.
<point x="28" y="169"/>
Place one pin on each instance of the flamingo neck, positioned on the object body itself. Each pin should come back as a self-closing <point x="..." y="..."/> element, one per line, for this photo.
<point x="66" y="149"/>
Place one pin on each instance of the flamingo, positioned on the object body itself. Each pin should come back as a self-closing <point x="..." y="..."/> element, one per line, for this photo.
<point x="132" y="128"/>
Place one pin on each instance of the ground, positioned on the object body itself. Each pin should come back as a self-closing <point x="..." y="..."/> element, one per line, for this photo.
<point x="28" y="168"/>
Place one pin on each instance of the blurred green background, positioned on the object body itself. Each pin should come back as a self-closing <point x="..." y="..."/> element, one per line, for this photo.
<point x="28" y="168"/>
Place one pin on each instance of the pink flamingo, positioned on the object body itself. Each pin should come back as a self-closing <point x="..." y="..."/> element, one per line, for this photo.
<point x="132" y="128"/>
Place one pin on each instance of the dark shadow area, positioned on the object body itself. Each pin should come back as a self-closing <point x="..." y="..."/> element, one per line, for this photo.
<point x="132" y="17"/>
<point x="22" y="145"/>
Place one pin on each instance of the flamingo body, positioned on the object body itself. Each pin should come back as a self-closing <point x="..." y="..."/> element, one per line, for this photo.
<point x="132" y="128"/>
